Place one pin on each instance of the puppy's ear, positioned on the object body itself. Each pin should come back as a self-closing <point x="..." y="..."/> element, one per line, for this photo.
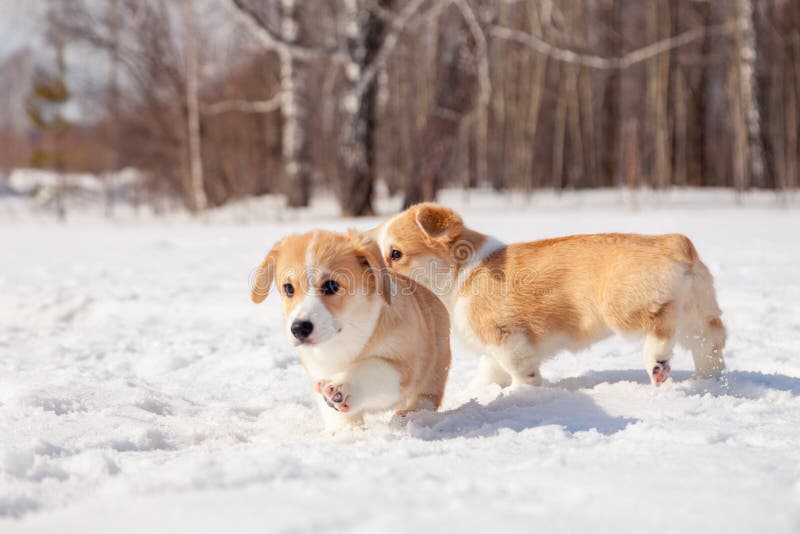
<point x="372" y="233"/>
<point x="265" y="274"/>
<point x="439" y="222"/>
<point x="369" y="254"/>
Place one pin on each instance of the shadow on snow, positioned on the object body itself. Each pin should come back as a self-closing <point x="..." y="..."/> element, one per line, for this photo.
<point x="517" y="411"/>
<point x="564" y="404"/>
<point x="739" y="384"/>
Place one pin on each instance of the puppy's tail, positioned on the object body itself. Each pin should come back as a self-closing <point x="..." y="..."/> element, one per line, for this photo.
<point x="682" y="249"/>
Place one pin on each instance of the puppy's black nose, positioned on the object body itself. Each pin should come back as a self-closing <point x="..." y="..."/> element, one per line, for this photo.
<point x="302" y="329"/>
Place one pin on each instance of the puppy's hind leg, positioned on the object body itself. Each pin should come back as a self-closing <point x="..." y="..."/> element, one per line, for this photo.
<point x="706" y="344"/>
<point x="490" y="372"/>
<point x="660" y="340"/>
<point x="520" y="360"/>
<point x="657" y="354"/>
<point x="701" y="329"/>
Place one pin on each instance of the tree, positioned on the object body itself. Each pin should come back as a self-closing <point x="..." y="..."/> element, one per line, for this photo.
<point x="294" y="54"/>
<point x="750" y="144"/>
<point x="162" y="79"/>
<point x="369" y="39"/>
<point x="45" y="109"/>
<point x="456" y="95"/>
<point x="425" y="94"/>
<point x="195" y="191"/>
<point x="364" y="35"/>
<point x="294" y="110"/>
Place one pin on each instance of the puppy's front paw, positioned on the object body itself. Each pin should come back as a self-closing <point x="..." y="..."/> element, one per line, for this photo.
<point x="337" y="396"/>
<point x="661" y="372"/>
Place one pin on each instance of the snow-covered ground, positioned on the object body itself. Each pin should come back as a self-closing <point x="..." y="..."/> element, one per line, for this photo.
<point x="141" y="391"/>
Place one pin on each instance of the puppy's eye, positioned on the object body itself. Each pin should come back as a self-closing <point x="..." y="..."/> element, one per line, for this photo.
<point x="395" y="254"/>
<point x="330" y="287"/>
<point x="288" y="289"/>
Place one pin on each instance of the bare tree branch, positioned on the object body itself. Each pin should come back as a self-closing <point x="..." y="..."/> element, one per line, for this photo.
<point x="390" y="17"/>
<point x="248" y="18"/>
<point x="482" y="52"/>
<point x="269" y="39"/>
<point x="387" y="15"/>
<point x="244" y="106"/>
<point x="606" y="63"/>
<point x="388" y="45"/>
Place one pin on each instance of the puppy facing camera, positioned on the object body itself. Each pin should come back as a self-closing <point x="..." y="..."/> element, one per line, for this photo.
<point x="370" y="339"/>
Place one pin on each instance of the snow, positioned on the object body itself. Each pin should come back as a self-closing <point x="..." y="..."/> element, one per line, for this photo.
<point x="141" y="391"/>
<point x="29" y="181"/>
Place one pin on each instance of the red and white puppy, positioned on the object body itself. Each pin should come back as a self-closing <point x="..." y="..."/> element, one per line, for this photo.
<point x="520" y="304"/>
<point x="371" y="340"/>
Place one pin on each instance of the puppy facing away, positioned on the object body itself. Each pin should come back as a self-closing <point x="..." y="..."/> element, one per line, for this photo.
<point x="519" y="304"/>
<point x="370" y="339"/>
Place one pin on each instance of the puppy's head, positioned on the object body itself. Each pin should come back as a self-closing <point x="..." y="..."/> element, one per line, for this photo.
<point x="330" y="284"/>
<point x="423" y="244"/>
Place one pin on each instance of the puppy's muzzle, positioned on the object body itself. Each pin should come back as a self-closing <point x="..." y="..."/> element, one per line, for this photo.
<point x="302" y="329"/>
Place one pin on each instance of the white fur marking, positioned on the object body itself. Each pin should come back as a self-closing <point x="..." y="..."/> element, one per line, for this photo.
<point x="452" y="300"/>
<point x="489" y="247"/>
<point x="383" y="234"/>
<point x="313" y="309"/>
<point x="462" y="327"/>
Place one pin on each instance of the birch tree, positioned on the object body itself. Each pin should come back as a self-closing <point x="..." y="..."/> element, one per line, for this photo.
<point x="752" y="149"/>
<point x="355" y="92"/>
<point x="456" y="94"/>
<point x="370" y="36"/>
<point x="195" y="187"/>
<point x="294" y="110"/>
<point x="364" y="33"/>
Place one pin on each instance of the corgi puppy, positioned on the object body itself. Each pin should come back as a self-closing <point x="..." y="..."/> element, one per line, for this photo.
<point x="371" y="340"/>
<point x="520" y="304"/>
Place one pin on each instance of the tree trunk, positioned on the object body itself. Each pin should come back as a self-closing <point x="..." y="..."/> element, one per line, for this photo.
<point x="473" y="172"/>
<point x="657" y="96"/>
<point x="680" y="129"/>
<point x="113" y="95"/>
<point x="610" y="142"/>
<point x="294" y="111"/>
<point x="790" y="133"/>
<point x="574" y="165"/>
<point x="739" y="136"/>
<point x="364" y="34"/>
<point x="633" y="104"/>
<point x="497" y="109"/>
<point x="538" y="83"/>
<point x="793" y="115"/>
<point x="747" y="60"/>
<point x="559" y="131"/>
<point x="456" y="88"/>
<point x="195" y="190"/>
<point x="700" y="137"/>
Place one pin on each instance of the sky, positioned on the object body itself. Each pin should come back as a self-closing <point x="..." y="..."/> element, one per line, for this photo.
<point x="22" y="26"/>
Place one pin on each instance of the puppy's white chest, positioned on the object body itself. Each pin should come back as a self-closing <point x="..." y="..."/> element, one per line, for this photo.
<point x="338" y="353"/>
<point x="326" y="363"/>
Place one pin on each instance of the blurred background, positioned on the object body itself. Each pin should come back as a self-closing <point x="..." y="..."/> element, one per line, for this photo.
<point x="197" y="103"/>
<point x="153" y="151"/>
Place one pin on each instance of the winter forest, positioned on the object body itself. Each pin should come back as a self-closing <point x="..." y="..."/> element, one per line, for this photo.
<point x="216" y="100"/>
<point x="218" y="316"/>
